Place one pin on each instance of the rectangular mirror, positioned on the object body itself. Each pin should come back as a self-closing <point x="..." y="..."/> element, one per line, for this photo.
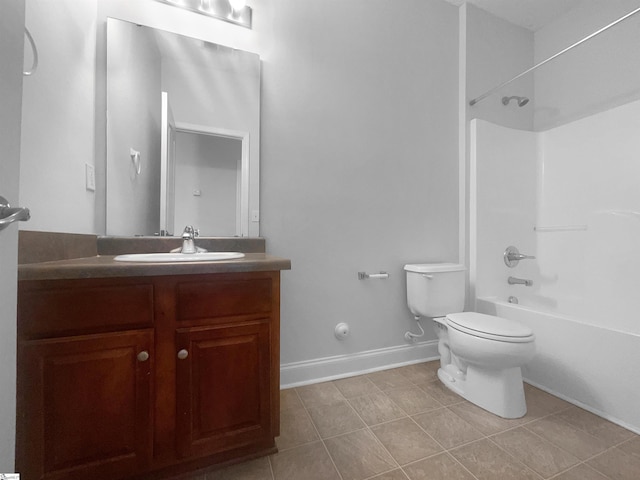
<point x="183" y="127"/>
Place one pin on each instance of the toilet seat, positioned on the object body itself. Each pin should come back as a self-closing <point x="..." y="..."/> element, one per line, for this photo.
<point x="490" y="327"/>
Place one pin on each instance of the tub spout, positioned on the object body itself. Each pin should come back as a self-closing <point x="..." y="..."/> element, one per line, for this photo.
<point x="519" y="281"/>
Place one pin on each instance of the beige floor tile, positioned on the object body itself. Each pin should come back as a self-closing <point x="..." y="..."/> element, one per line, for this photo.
<point x="447" y="428"/>
<point x="296" y="429"/>
<point x="319" y="394"/>
<point x="376" y="408"/>
<point x="358" y="455"/>
<point x="541" y="403"/>
<point x="289" y="399"/>
<point x="412" y="399"/>
<point x="438" y="467"/>
<point x="356" y="386"/>
<point x="308" y="462"/>
<point x="538" y="454"/>
<point x="567" y="437"/>
<point x="617" y="464"/>
<point x="594" y="425"/>
<point x="441" y="393"/>
<point x="487" y="422"/>
<point x="487" y="461"/>
<point x="387" y="379"/>
<point x="336" y="419"/>
<point x="258" y="469"/>
<point x="406" y="441"/>
<point x="420" y="372"/>
<point x="392" y="475"/>
<point x="581" y="472"/>
<point x="632" y="446"/>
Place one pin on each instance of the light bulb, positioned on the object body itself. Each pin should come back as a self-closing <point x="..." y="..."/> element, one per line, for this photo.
<point x="237" y="5"/>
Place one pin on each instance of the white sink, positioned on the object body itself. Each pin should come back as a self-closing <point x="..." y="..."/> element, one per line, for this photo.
<point x="178" y="257"/>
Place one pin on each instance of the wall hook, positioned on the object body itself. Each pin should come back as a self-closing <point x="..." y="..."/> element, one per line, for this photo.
<point x="135" y="158"/>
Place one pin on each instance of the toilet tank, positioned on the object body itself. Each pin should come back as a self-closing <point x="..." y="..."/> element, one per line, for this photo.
<point x="435" y="289"/>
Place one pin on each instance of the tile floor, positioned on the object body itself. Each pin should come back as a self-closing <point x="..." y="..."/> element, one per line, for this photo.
<point x="402" y="424"/>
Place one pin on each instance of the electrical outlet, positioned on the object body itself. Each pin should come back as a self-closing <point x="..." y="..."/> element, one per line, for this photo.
<point x="90" y="177"/>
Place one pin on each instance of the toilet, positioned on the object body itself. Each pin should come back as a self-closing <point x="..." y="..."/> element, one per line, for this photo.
<point x="480" y="355"/>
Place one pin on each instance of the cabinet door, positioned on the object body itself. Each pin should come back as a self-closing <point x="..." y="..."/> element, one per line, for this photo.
<point x="223" y="389"/>
<point x="84" y="406"/>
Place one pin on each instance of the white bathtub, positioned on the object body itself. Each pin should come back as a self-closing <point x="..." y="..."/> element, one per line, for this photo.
<point x="593" y="367"/>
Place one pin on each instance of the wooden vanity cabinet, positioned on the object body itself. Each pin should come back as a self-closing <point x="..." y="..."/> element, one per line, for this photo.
<point x="131" y="377"/>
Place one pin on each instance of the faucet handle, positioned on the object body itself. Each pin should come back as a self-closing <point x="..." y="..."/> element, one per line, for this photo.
<point x="512" y="256"/>
<point x="189" y="232"/>
<point x="196" y="232"/>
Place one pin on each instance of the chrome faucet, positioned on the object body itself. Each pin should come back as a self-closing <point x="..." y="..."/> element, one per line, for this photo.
<point x="188" y="239"/>
<point x="512" y="256"/>
<point x="519" y="281"/>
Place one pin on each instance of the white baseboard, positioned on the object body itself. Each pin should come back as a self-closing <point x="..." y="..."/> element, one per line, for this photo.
<point x="341" y="366"/>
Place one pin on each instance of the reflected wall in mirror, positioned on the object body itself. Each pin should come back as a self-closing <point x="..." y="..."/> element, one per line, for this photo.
<point x="183" y="125"/>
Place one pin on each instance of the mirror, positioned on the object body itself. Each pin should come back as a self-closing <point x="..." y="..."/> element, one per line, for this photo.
<point x="183" y="125"/>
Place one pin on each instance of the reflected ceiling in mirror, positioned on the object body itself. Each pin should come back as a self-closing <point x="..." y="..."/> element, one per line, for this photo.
<point x="183" y="129"/>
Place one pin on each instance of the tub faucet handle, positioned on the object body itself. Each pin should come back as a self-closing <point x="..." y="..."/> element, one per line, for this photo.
<point x="512" y="256"/>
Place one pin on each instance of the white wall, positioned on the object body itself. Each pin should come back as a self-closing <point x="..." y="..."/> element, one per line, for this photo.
<point x="210" y="165"/>
<point x="496" y="51"/>
<point x="602" y="73"/>
<point x="58" y="116"/>
<point x="359" y="164"/>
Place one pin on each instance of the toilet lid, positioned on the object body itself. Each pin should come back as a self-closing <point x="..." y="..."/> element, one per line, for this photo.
<point x="490" y="327"/>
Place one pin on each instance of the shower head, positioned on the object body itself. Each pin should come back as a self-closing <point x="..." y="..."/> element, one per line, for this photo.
<point x="522" y="101"/>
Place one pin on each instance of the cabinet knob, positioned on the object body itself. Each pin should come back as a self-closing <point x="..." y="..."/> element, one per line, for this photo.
<point x="182" y="354"/>
<point x="143" y="356"/>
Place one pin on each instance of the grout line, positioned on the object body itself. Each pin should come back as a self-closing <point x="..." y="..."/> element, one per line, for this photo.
<point x="273" y="475"/>
<point x="324" y="445"/>
<point x="461" y="464"/>
<point x="515" y="459"/>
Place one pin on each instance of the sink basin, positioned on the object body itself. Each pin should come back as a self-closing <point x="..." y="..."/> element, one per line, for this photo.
<point x="178" y="257"/>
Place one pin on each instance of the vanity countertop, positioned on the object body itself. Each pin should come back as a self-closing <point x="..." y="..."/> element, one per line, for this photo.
<point x="102" y="266"/>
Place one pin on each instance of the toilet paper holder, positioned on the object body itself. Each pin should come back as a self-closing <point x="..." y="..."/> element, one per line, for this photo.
<point x="364" y="275"/>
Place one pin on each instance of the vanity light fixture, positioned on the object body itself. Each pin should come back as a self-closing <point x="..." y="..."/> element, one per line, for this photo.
<point x="237" y="5"/>
<point x="233" y="11"/>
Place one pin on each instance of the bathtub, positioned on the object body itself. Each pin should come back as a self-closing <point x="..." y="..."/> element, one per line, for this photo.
<point x="595" y="368"/>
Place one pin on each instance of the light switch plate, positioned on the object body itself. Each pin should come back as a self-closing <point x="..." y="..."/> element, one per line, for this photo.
<point x="90" y="177"/>
<point x="255" y="215"/>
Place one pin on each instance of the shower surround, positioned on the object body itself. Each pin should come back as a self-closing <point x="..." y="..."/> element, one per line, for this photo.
<point x="569" y="196"/>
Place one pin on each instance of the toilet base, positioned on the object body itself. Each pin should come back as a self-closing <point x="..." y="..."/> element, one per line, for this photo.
<point x="500" y="392"/>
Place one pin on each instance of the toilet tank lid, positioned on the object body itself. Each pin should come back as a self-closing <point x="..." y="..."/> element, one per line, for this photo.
<point x="434" y="267"/>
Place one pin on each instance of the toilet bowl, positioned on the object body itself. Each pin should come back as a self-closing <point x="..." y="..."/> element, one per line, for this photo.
<point x="480" y="355"/>
<point x="486" y="361"/>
